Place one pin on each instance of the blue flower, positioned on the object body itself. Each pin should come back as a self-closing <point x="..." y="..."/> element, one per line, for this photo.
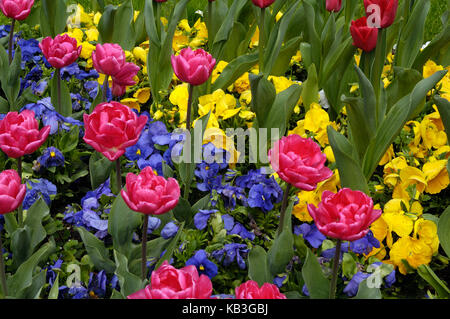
<point x="51" y="274"/>
<point x="236" y="228"/>
<point x="305" y="290"/>
<point x="202" y="217"/>
<point x="153" y="224"/>
<point x="230" y="253"/>
<point x="390" y="279"/>
<point x="5" y="30"/>
<point x="329" y="253"/>
<point x="155" y="162"/>
<point x="353" y="285"/>
<point x="278" y="281"/>
<point x="169" y="230"/>
<point x="97" y="284"/>
<point x="365" y="244"/>
<point x="92" y="88"/>
<point x="37" y="189"/>
<point x="2" y="222"/>
<point x="310" y="233"/>
<point x="230" y="194"/>
<point x="142" y="149"/>
<point x="52" y="157"/>
<point x="203" y="264"/>
<point x="209" y="175"/>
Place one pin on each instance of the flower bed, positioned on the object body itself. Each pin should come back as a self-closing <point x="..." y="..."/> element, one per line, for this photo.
<point x="244" y="149"/>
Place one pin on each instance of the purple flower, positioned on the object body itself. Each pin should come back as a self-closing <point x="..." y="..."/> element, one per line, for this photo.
<point x="365" y="244"/>
<point x="169" y="230"/>
<point x="232" y="252"/>
<point x="353" y="285"/>
<point x="52" y="157"/>
<point x="310" y="233"/>
<point x="203" y="264"/>
<point x="202" y="217"/>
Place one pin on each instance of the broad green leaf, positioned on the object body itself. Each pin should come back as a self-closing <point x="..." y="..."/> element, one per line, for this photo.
<point x="349" y="267"/>
<point x="54" y="291"/>
<point x="123" y="30"/>
<point x="443" y="106"/>
<point x="444" y="230"/>
<point x="66" y="100"/>
<point x="182" y="211"/>
<point x="403" y="83"/>
<point x="365" y="292"/>
<point x="69" y="140"/>
<point x="122" y="223"/>
<point x="258" y="268"/>
<point x="318" y="286"/>
<point x="428" y="274"/>
<point x="106" y="24"/>
<point x="282" y="63"/>
<point x="100" y="169"/>
<point x="53" y="17"/>
<point x="310" y="88"/>
<point x="281" y="252"/>
<point x="350" y="170"/>
<point x="129" y="283"/>
<point x="263" y="96"/>
<point x="34" y="290"/>
<point x="96" y="250"/>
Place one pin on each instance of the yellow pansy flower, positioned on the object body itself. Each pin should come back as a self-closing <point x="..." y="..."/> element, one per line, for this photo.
<point x="132" y="103"/>
<point x="426" y="230"/>
<point x="329" y="154"/>
<point x="180" y="40"/>
<point x="254" y="42"/>
<point x="299" y="129"/>
<point x="436" y="175"/>
<point x="142" y="95"/>
<point x="218" y="70"/>
<point x="245" y="98"/>
<point x="280" y="83"/>
<point x="242" y="83"/>
<point x="432" y="132"/>
<point x="86" y="50"/>
<point x="179" y="97"/>
<point x="140" y="54"/>
<point x="410" y="176"/>
<point x="387" y="156"/>
<point x="92" y="34"/>
<point x="415" y="251"/>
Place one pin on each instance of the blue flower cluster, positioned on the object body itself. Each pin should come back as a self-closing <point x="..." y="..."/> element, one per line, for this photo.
<point x="230" y="253"/>
<point x="89" y="216"/>
<point x="40" y="188"/>
<point x="98" y="283"/>
<point x="236" y="228"/>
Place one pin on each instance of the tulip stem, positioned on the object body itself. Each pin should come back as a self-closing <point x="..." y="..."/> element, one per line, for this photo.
<point x="11" y="41"/>
<point x="20" y="208"/>
<point x="2" y="269"/>
<point x="337" y="256"/>
<point x="105" y="88"/>
<point x="189" y="107"/>
<point x="283" y="208"/>
<point x="118" y="174"/>
<point x="58" y="89"/>
<point x="144" y="248"/>
<point x="262" y="39"/>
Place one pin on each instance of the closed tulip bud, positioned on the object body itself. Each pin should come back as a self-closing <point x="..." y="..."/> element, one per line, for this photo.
<point x="345" y="215"/>
<point x="263" y="3"/>
<point x="150" y="194"/>
<point x="334" y="5"/>
<point x="60" y="51"/>
<point x="20" y="134"/>
<point x="12" y="191"/>
<point x="193" y="67"/>
<point x="111" y="128"/>
<point x="16" y="9"/>
<point x="364" y="36"/>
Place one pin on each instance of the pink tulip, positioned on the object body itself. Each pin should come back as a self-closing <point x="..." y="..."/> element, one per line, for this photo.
<point x="16" y="9"/>
<point x="193" y="67"/>
<point x="385" y="12"/>
<point x="111" y="128"/>
<point x="118" y="90"/>
<point x="345" y="215"/>
<point x="251" y="290"/>
<point x="20" y="134"/>
<point x="333" y="5"/>
<point x="108" y="58"/>
<point x="60" y="51"/>
<point x="170" y="283"/>
<point x="299" y="162"/>
<point x="124" y="78"/>
<point x="12" y="191"/>
<point x="150" y="194"/>
<point x="364" y="37"/>
<point x="263" y="3"/>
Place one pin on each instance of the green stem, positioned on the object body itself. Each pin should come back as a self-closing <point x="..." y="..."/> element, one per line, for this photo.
<point x="2" y="270"/>
<point x="262" y="39"/>
<point x="187" y="186"/>
<point x="283" y="208"/>
<point x="118" y="174"/>
<point x="144" y="248"/>
<point x="11" y="41"/>
<point x="105" y="88"/>
<point x="334" y="273"/>
<point x="20" y="209"/>
<point x="58" y="91"/>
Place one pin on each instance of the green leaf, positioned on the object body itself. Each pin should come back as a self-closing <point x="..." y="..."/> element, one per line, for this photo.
<point x="182" y="211"/>
<point x="23" y="277"/>
<point x="263" y="96"/>
<point x="310" y="88"/>
<point x="428" y="274"/>
<point x="170" y="249"/>
<point x="350" y="170"/>
<point x="258" y="268"/>
<point x="122" y="223"/>
<point x="106" y="24"/>
<point x="281" y="251"/>
<point x="34" y="290"/>
<point x="53" y="17"/>
<point x="54" y="291"/>
<point x="364" y="292"/>
<point x="443" y="106"/>
<point x="129" y="283"/>
<point x="66" y="100"/>
<point x="96" y="250"/>
<point x="403" y="83"/>
<point x="69" y="141"/>
<point x="123" y="29"/>
<point x="99" y="169"/>
<point x="349" y="267"/>
<point x="444" y="230"/>
<point x="318" y="286"/>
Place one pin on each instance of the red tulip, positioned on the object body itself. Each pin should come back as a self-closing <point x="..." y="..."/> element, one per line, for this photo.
<point x="124" y="78"/>
<point x="20" y="134"/>
<point x="150" y="194"/>
<point x="108" y="58"/>
<point x="384" y="11"/>
<point x="251" y="290"/>
<point x="193" y="67"/>
<point x="60" y="51"/>
<point x="364" y="37"/>
<point x="263" y="3"/>
<point x="111" y="128"/>
<point x="12" y="191"/>
<point x="345" y="215"/>
<point x="299" y="162"/>
<point x="334" y="5"/>
<point x="16" y="9"/>
<point x="170" y="283"/>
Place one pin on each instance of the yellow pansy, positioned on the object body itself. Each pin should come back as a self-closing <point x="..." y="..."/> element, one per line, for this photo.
<point x="180" y="40"/>
<point x="97" y="17"/>
<point x="410" y="176"/>
<point x="300" y="210"/>
<point x="441" y="151"/>
<point x="242" y="83"/>
<point x="246" y="114"/>
<point x="92" y="34"/>
<point x="245" y="98"/>
<point x="415" y="251"/>
<point x="397" y="221"/>
<point x="254" y="42"/>
<point x="280" y="83"/>
<point x="426" y="230"/>
<point x="387" y="156"/>
<point x="86" y="50"/>
<point x="329" y="154"/>
<point x="142" y="95"/>
<point x="140" y="54"/>
<point x="184" y="25"/>
<point x="132" y="103"/>
<point x="76" y="34"/>
<point x="432" y="132"/>
<point x="222" y="141"/>
<point x="299" y="129"/>
<point x="379" y="229"/>
<point x="218" y="70"/>
<point x="179" y="97"/>
<point x="297" y="58"/>
<point x="436" y="175"/>
<point x="430" y="68"/>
